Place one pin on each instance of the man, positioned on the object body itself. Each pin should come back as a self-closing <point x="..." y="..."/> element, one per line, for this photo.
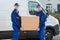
<point x="16" y="21"/>
<point x="42" y="18"/>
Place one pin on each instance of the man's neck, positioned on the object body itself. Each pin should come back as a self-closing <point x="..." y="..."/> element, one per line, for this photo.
<point x="16" y="9"/>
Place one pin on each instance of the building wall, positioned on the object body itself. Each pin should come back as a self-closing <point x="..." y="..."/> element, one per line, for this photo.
<point x="53" y="2"/>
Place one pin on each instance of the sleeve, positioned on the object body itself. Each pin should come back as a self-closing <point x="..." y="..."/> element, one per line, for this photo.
<point x="17" y="18"/>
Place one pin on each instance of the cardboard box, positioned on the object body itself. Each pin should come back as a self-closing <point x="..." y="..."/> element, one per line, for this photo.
<point x="30" y="23"/>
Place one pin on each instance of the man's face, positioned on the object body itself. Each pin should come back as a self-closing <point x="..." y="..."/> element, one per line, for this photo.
<point x="16" y="7"/>
<point x="39" y="8"/>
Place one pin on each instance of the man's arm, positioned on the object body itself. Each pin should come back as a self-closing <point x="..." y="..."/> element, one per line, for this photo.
<point x="17" y="18"/>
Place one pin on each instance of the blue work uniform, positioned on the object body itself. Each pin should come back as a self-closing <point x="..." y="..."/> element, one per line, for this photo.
<point x="16" y="23"/>
<point x="42" y="18"/>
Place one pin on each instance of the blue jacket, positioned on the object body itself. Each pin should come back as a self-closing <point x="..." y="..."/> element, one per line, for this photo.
<point x="15" y="18"/>
<point x="42" y="16"/>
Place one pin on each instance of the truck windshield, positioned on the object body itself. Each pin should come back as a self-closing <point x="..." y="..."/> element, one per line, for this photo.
<point x="32" y="7"/>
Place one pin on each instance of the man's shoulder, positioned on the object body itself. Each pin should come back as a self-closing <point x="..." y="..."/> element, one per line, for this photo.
<point x="15" y="11"/>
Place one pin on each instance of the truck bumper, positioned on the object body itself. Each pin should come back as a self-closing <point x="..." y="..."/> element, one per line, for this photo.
<point x="22" y="34"/>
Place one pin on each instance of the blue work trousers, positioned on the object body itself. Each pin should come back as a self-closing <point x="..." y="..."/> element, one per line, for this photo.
<point x="16" y="32"/>
<point x="42" y="32"/>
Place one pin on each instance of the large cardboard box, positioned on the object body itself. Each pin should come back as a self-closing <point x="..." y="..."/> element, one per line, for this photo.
<point x="30" y="23"/>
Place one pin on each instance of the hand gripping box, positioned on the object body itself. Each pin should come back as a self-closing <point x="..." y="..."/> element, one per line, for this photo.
<point x="30" y="23"/>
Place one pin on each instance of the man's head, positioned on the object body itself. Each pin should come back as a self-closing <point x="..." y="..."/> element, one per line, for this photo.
<point x="16" y="6"/>
<point x="39" y="7"/>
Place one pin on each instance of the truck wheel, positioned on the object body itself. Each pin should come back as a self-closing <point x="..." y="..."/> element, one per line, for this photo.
<point x="49" y="34"/>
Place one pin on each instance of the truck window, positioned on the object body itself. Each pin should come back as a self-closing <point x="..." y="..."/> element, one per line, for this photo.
<point x="32" y="7"/>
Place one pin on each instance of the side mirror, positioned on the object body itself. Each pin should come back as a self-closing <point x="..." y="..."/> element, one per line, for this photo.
<point x="47" y="13"/>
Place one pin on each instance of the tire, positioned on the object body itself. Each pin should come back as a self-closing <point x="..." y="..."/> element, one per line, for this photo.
<point x="49" y="34"/>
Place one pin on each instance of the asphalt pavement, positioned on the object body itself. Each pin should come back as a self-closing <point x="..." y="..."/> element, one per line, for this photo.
<point x="57" y="37"/>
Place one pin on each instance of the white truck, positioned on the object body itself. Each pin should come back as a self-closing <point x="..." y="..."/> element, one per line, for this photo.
<point x="27" y="8"/>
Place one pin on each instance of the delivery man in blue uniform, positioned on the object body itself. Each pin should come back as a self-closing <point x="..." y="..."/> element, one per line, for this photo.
<point x="42" y="18"/>
<point x="16" y="21"/>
